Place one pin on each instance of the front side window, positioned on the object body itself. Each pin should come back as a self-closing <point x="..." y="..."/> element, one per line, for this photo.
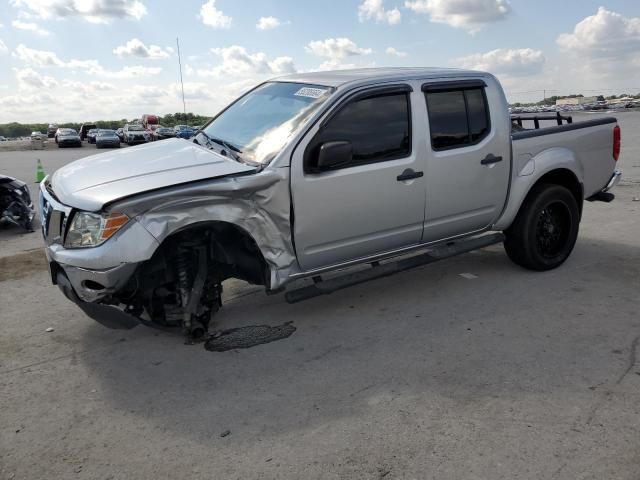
<point x="378" y="128"/>
<point x="457" y="118"/>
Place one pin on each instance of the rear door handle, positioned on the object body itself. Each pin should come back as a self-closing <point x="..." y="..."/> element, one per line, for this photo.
<point x="409" y="174"/>
<point x="489" y="159"/>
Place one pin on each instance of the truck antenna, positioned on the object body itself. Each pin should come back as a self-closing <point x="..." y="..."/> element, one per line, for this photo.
<point x="184" y="106"/>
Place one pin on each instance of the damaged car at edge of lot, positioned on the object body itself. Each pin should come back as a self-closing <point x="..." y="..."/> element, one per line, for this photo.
<point x="316" y="173"/>
<point x="16" y="206"/>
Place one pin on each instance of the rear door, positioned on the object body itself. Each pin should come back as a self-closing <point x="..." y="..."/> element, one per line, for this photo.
<point x="469" y="163"/>
<point x="376" y="202"/>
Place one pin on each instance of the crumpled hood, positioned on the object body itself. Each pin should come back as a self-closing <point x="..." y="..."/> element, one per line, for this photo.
<point x="92" y="182"/>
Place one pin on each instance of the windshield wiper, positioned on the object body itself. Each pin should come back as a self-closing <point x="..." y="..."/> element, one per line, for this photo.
<point x="233" y="150"/>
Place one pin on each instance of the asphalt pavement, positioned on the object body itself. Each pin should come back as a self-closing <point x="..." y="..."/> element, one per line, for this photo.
<point x="428" y="374"/>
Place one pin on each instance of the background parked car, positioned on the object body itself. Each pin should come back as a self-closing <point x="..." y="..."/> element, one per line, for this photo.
<point x="107" y="139"/>
<point x="135" y="134"/>
<point x="68" y="137"/>
<point x="40" y="135"/>
<point x="161" y="133"/>
<point x="120" y="134"/>
<point x="2" y="139"/>
<point x="184" y="131"/>
<point x="51" y="131"/>
<point x="91" y="135"/>
<point x="84" y="129"/>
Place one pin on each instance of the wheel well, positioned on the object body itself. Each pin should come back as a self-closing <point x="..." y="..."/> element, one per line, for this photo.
<point x="232" y="249"/>
<point x="567" y="179"/>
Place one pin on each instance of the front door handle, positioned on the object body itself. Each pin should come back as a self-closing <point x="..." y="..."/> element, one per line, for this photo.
<point x="409" y="174"/>
<point x="489" y="159"/>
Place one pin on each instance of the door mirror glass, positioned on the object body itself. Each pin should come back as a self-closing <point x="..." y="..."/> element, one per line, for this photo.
<point x="334" y="155"/>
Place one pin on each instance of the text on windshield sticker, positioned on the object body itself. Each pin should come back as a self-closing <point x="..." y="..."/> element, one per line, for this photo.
<point x="310" y="92"/>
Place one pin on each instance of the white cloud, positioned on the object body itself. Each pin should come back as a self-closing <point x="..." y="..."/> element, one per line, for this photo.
<point x="268" y="23"/>
<point x="396" y="53"/>
<point x="213" y="17"/>
<point x="43" y="58"/>
<point x="192" y="91"/>
<point x="503" y="61"/>
<point x="126" y="72"/>
<point x="29" y="79"/>
<point x="102" y="85"/>
<point x="335" y="51"/>
<point x="95" y="11"/>
<point x="30" y="26"/>
<point x="236" y="61"/>
<point x="336" y="48"/>
<point x="3" y="48"/>
<point x="374" y="10"/>
<point x="136" y="48"/>
<point x="470" y="15"/>
<point x="335" y="65"/>
<point x="603" y="50"/>
<point x="604" y="34"/>
<point x="37" y="58"/>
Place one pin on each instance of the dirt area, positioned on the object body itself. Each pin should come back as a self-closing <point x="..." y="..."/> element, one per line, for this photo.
<point x="22" y="264"/>
<point x="22" y="145"/>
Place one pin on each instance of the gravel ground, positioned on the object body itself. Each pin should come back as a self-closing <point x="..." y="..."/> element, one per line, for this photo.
<point x="426" y="374"/>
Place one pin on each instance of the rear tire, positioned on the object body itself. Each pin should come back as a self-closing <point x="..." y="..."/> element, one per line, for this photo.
<point x="545" y="230"/>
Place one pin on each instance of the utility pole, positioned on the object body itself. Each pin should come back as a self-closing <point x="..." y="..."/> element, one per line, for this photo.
<point x="184" y="106"/>
<point x="544" y="95"/>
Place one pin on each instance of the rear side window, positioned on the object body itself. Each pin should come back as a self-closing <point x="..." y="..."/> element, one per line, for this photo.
<point x="378" y="127"/>
<point x="457" y="118"/>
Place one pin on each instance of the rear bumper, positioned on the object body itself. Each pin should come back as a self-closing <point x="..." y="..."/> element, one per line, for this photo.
<point x="613" y="181"/>
<point x="605" y="195"/>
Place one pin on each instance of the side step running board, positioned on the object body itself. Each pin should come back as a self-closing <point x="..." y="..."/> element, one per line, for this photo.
<point x="451" y="249"/>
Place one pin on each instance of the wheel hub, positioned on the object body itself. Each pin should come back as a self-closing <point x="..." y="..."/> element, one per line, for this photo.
<point x="552" y="229"/>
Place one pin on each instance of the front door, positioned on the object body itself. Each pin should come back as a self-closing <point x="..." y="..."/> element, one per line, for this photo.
<point x="375" y="202"/>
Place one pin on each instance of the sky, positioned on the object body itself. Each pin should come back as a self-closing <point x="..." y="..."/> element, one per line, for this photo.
<point x="87" y="60"/>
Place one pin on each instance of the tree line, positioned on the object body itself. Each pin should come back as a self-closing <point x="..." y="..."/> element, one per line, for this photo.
<point x="15" y="129"/>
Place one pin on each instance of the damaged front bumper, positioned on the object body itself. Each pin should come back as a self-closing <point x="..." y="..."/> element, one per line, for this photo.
<point x="88" y="289"/>
<point x="90" y="285"/>
<point x="90" y="277"/>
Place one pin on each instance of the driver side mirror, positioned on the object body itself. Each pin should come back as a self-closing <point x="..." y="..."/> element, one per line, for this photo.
<point x="334" y="155"/>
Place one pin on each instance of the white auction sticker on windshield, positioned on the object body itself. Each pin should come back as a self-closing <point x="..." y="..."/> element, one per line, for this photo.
<point x="310" y="92"/>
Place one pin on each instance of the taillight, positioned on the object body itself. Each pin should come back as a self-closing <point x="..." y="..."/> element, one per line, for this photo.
<point x="617" y="142"/>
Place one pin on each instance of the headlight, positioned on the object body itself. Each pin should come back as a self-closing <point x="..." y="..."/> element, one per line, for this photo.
<point x="92" y="229"/>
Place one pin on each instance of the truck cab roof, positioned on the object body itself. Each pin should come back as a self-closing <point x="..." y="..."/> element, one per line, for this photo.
<point x="340" y="78"/>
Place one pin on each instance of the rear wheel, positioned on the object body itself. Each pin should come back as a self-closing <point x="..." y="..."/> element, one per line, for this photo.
<point x="545" y="230"/>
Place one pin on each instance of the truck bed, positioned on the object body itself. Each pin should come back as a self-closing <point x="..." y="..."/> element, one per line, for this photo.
<point x="590" y="143"/>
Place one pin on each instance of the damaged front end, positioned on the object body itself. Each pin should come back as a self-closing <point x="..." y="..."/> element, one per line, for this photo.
<point x="15" y="203"/>
<point x="174" y="253"/>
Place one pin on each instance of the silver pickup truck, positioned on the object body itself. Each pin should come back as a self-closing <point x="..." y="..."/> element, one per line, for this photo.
<point x="315" y="173"/>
